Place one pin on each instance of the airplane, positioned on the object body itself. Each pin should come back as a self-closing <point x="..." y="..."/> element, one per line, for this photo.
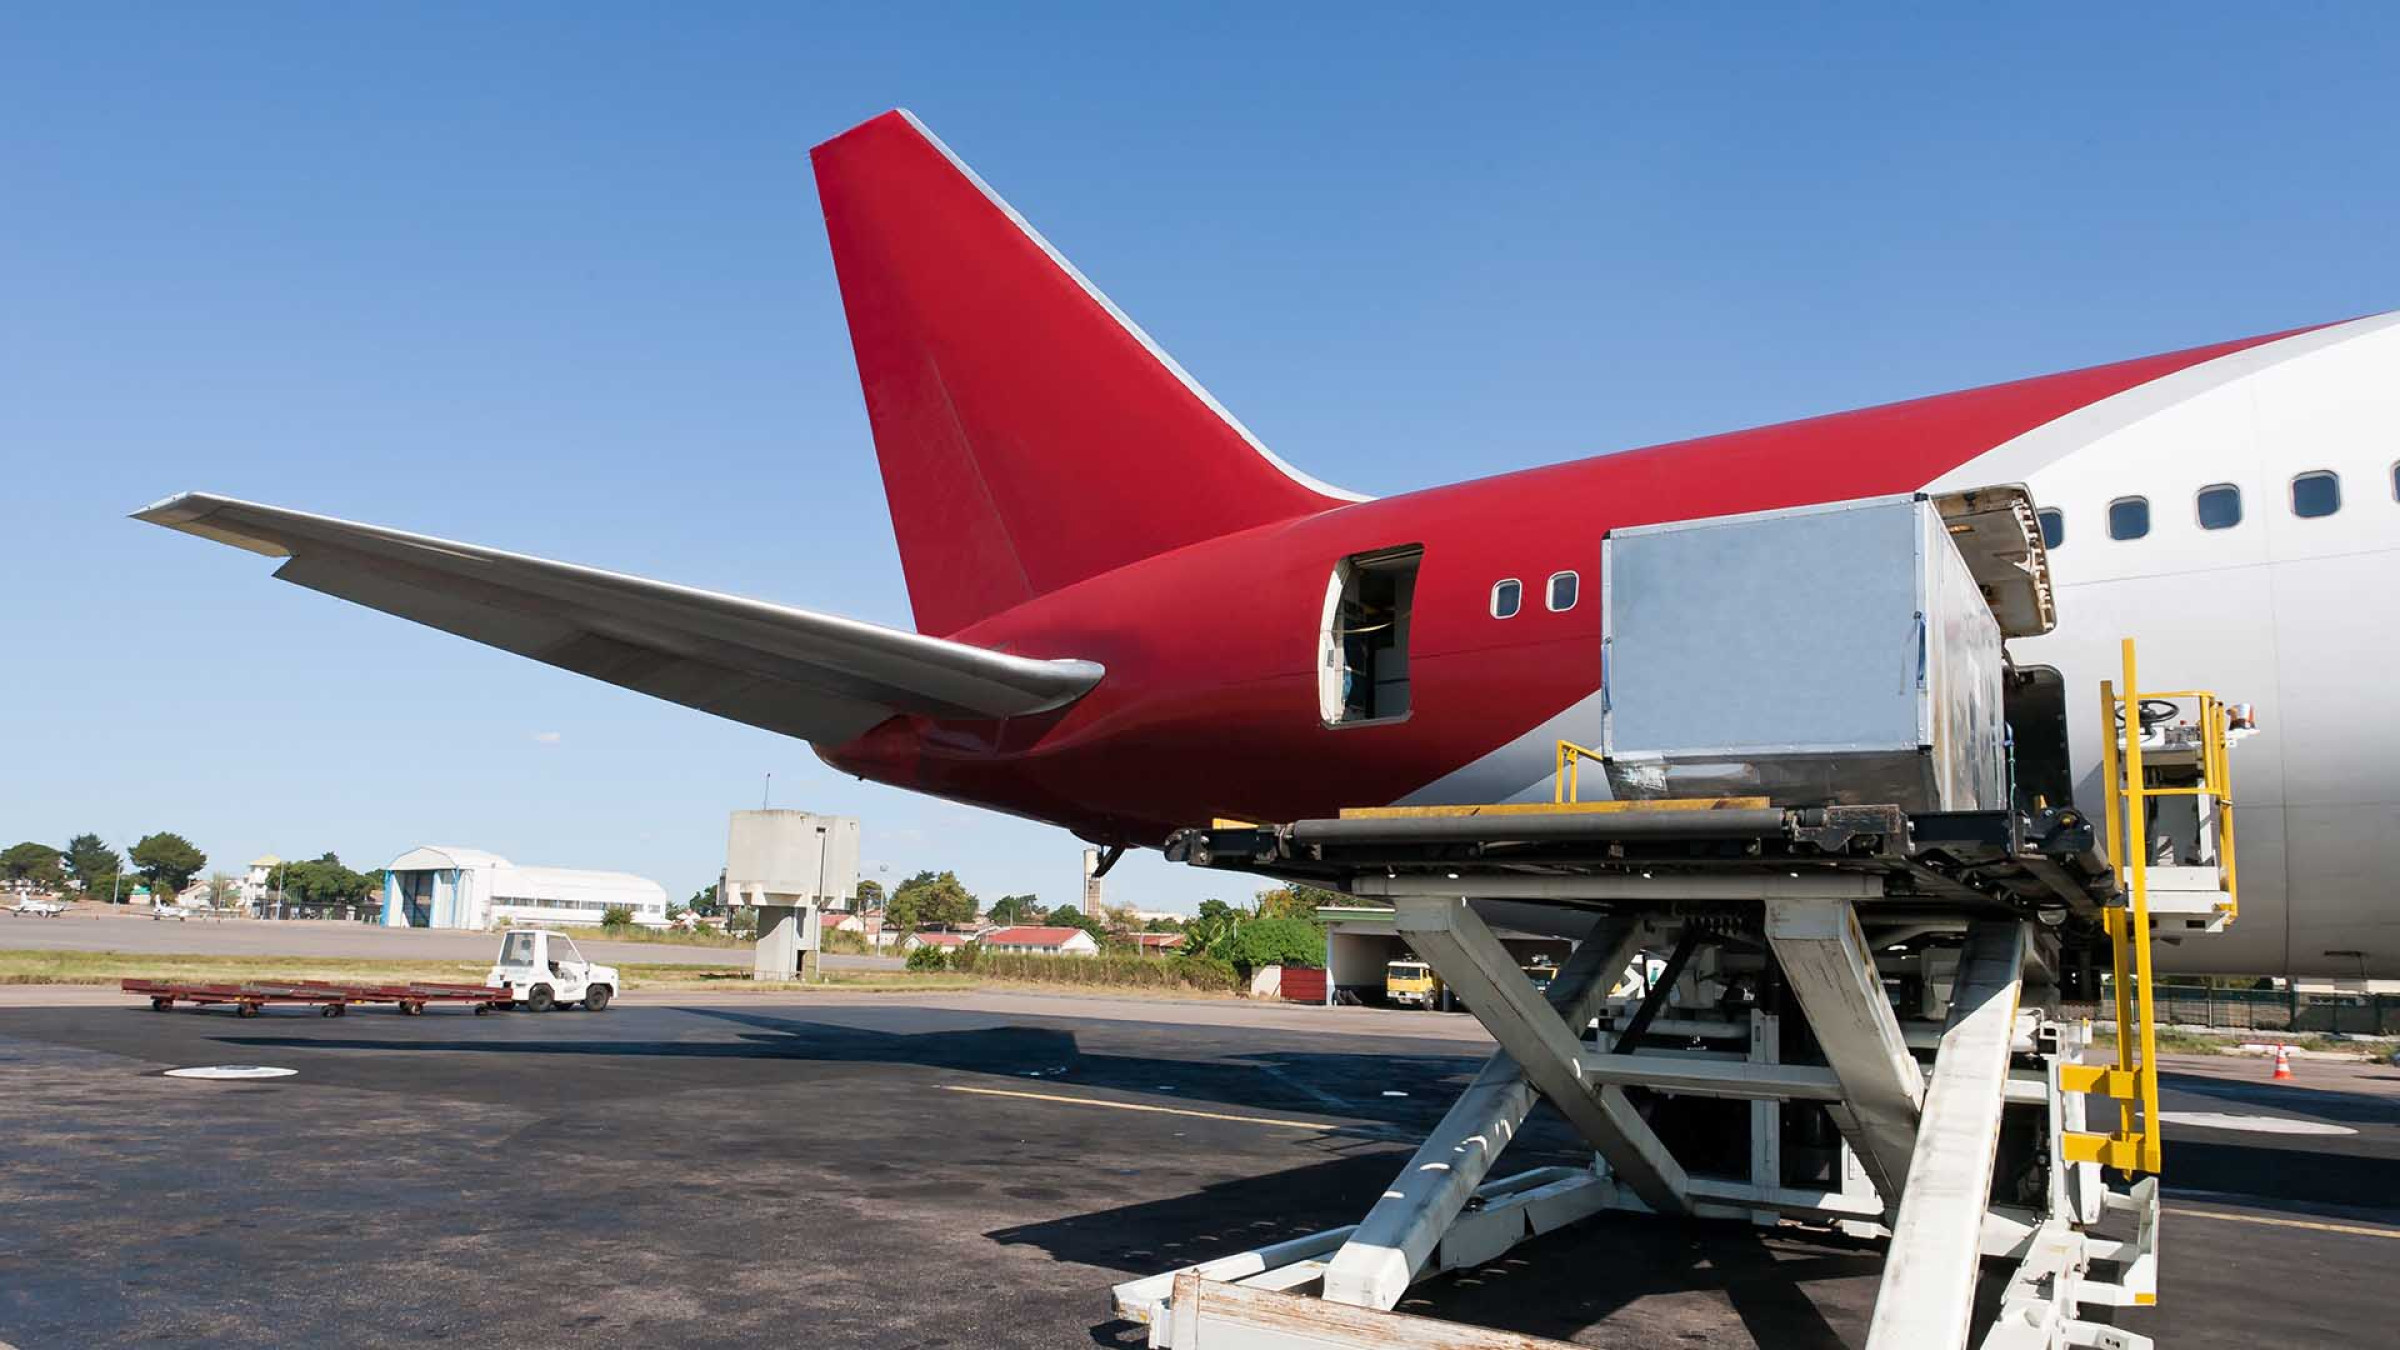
<point x="32" y="907"/>
<point x="1124" y="601"/>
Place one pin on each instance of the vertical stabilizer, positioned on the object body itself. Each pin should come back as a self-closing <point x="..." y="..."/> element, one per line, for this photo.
<point x="1030" y="434"/>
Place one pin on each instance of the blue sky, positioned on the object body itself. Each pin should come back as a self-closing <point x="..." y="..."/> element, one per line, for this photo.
<point x="553" y="278"/>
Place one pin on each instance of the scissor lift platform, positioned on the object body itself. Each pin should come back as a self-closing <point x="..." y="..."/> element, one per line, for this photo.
<point x="1860" y="1000"/>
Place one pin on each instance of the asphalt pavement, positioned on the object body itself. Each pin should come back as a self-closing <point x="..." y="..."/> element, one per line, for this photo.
<point x="943" y="1170"/>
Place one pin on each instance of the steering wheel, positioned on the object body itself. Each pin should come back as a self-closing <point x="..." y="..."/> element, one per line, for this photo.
<point x="2154" y="712"/>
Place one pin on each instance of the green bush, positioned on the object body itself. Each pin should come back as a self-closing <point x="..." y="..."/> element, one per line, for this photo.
<point x="1206" y="972"/>
<point x="617" y="916"/>
<point x="1276" y="942"/>
<point x="843" y="943"/>
<point x="1121" y="972"/>
<point x="928" y="957"/>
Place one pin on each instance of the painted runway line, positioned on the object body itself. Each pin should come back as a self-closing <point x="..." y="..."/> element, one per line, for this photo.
<point x="1143" y="1106"/>
<point x="2313" y="1225"/>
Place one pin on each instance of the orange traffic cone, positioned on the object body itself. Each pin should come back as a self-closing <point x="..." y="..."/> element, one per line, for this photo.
<point x="2283" y="1063"/>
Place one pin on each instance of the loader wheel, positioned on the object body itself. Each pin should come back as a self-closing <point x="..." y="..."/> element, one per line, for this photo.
<point x="161" y="1004"/>
<point x="541" y="999"/>
<point x="596" y="998"/>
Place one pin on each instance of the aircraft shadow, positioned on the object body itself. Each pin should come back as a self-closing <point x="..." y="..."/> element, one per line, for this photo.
<point x="1554" y="1286"/>
<point x="1339" y="1084"/>
<point x="2298" y="1180"/>
<point x="2348" y="1108"/>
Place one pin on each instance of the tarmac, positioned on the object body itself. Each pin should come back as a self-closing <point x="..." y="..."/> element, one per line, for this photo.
<point x="962" y="1169"/>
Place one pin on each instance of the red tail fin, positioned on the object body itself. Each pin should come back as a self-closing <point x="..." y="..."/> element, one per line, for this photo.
<point x="1031" y="436"/>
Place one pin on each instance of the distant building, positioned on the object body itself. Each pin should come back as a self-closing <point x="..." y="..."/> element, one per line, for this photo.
<point x="1037" y="941"/>
<point x="1157" y="944"/>
<point x="948" y="942"/>
<point x="259" y="880"/>
<point x="445" y="887"/>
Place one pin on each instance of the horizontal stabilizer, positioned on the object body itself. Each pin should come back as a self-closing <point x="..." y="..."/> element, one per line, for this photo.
<point x="816" y="676"/>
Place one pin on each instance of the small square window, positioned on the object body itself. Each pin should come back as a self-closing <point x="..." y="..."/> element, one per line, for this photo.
<point x="2054" y="526"/>
<point x="2129" y="518"/>
<point x="2316" y="494"/>
<point x="1507" y="597"/>
<point x="2220" y="507"/>
<point x="1562" y="591"/>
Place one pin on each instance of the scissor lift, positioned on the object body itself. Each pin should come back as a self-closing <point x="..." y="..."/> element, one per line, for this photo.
<point x="1893" y="977"/>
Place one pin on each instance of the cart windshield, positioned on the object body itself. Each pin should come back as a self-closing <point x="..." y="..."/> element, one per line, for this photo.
<point x="517" y="950"/>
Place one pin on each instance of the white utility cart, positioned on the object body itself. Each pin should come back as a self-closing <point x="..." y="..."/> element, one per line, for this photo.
<point x="542" y="970"/>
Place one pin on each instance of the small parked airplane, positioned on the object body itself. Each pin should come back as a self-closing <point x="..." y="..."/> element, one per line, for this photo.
<point x="32" y="908"/>
<point x="1130" y="611"/>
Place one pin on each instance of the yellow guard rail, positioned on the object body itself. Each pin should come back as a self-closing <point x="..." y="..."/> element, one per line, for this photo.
<point x="2132" y="1081"/>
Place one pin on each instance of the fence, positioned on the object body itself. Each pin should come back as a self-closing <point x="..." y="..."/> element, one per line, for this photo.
<point x="2267" y="1010"/>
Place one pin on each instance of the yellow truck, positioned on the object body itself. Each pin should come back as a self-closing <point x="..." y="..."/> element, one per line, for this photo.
<point x="1411" y="984"/>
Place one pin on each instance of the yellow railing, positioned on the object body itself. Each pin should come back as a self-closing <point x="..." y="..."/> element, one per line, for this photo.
<point x="2215" y="788"/>
<point x="1567" y="779"/>
<point x="2132" y="1081"/>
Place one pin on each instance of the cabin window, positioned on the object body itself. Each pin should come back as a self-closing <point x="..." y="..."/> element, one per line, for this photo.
<point x="1507" y="597"/>
<point x="2054" y="526"/>
<point x="2316" y="494"/>
<point x="2396" y="482"/>
<point x="1363" y="662"/>
<point x="2129" y="518"/>
<point x="2220" y="507"/>
<point x="1562" y="591"/>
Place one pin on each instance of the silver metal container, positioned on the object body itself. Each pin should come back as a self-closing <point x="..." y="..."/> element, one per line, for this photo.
<point x="1833" y="653"/>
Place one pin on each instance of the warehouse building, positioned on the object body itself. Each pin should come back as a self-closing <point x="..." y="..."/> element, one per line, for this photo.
<point x="438" y="886"/>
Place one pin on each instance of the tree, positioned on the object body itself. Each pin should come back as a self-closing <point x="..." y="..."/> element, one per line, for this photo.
<point x="928" y="957"/>
<point x="168" y="861"/>
<point x="1017" y="909"/>
<point x="1067" y="916"/>
<point x="870" y="895"/>
<point x="930" y="898"/>
<point x="1276" y="942"/>
<point x="1211" y="929"/>
<point x="617" y="918"/>
<point x="1297" y="902"/>
<point x="323" y="882"/>
<point x="29" y="861"/>
<point x="88" y="860"/>
<point x="704" y="901"/>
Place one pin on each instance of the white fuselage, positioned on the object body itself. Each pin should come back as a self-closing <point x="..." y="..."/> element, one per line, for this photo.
<point x="2293" y="615"/>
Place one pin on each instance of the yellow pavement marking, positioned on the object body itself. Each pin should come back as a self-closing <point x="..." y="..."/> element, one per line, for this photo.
<point x="2356" y="1230"/>
<point x="1139" y="1106"/>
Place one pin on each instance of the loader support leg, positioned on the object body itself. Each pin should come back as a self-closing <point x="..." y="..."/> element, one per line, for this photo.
<point x="1928" y="1292"/>
<point x="1454" y="940"/>
<point x="1398" y="1236"/>
<point x="1831" y="971"/>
